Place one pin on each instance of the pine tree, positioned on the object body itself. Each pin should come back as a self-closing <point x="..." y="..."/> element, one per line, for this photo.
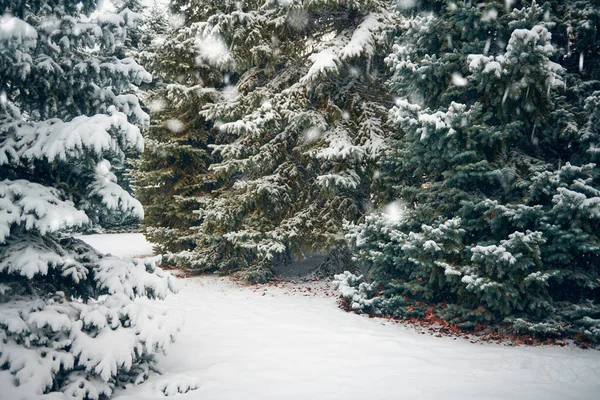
<point x="285" y="109"/>
<point x="132" y="13"/>
<point x="68" y="322"/>
<point x="174" y="167"/>
<point x="493" y="161"/>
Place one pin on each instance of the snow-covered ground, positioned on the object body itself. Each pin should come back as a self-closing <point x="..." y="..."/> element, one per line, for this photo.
<point x="248" y="342"/>
<point x="120" y="244"/>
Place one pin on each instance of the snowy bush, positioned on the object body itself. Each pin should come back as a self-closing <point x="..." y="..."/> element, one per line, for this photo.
<point x="70" y="325"/>
<point x="58" y="342"/>
<point x="356" y="294"/>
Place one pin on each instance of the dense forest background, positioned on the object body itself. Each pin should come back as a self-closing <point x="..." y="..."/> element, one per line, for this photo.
<point x="451" y="144"/>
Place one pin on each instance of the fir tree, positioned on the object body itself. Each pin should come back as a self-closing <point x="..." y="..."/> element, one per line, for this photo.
<point x="132" y="13"/>
<point x="68" y="322"/>
<point x="282" y="110"/>
<point x="494" y="161"/>
<point x="174" y="167"/>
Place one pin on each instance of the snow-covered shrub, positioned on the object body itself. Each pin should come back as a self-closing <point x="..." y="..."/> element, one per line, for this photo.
<point x="545" y="329"/>
<point x="59" y="342"/>
<point x="70" y="327"/>
<point x="356" y="294"/>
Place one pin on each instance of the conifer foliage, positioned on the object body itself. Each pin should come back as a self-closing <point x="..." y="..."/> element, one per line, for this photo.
<point x="493" y="169"/>
<point x="69" y="327"/>
<point x="275" y="119"/>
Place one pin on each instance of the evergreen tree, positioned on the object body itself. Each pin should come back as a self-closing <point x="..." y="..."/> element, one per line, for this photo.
<point x="493" y="162"/>
<point x="68" y="322"/>
<point x="132" y="13"/>
<point x="281" y="115"/>
<point x="174" y="165"/>
<point x="133" y="46"/>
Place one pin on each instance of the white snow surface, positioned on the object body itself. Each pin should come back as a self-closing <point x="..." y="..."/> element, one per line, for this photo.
<point x="120" y="244"/>
<point x="288" y="342"/>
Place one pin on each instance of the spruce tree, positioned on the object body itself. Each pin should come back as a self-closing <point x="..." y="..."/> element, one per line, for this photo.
<point x="174" y="167"/>
<point x="68" y="322"/>
<point x="493" y="166"/>
<point x="281" y="118"/>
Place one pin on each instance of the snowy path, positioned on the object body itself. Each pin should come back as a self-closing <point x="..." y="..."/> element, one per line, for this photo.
<point x="240" y="344"/>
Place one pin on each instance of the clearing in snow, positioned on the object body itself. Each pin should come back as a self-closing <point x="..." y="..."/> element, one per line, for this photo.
<point x="289" y="342"/>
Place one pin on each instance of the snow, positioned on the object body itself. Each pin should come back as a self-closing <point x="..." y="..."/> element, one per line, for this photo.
<point x="35" y="206"/>
<point x="112" y="195"/>
<point x="42" y="338"/>
<point x="347" y="179"/>
<point x="286" y="342"/>
<point x="345" y="46"/>
<point x="54" y="139"/>
<point x="129" y="277"/>
<point x="407" y="4"/>
<point x="174" y="125"/>
<point x="313" y="134"/>
<point x="459" y="80"/>
<point x="14" y="29"/>
<point x="394" y="212"/>
<point x="340" y="145"/>
<point x="323" y="61"/>
<point x="362" y="38"/>
<point x="120" y="244"/>
<point x="489" y="15"/>
<point x="241" y="344"/>
<point x="212" y="50"/>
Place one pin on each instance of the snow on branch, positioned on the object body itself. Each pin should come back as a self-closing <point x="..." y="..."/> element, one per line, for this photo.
<point x="36" y="256"/>
<point x="84" y="348"/>
<point x="113" y="196"/>
<point x="35" y="207"/>
<point x="347" y="179"/>
<point x="323" y="62"/>
<point x="127" y="67"/>
<point x="339" y="146"/>
<point x="54" y="139"/>
<point x="79" y="348"/>
<point x="13" y="29"/>
<point x="363" y="40"/>
<point x="132" y="278"/>
<point x="265" y="244"/>
<point x="129" y="104"/>
<point x="346" y="45"/>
